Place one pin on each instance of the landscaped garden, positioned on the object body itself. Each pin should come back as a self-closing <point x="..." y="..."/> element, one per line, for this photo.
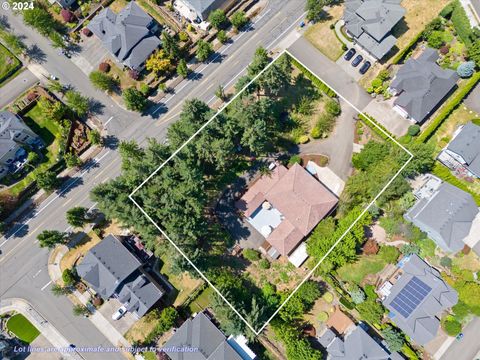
<point x="22" y="328"/>
<point x="8" y="64"/>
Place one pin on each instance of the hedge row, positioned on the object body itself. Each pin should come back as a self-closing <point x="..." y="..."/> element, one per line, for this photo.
<point x="315" y="80"/>
<point x="367" y="119"/>
<point x="461" y="23"/>
<point x="403" y="53"/>
<point x="444" y="173"/>
<point x="449" y="107"/>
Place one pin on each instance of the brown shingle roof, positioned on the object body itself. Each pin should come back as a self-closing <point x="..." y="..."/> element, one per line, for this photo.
<point x="301" y="199"/>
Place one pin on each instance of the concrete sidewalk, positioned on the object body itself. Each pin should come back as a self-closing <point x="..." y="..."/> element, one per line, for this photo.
<point x="48" y="330"/>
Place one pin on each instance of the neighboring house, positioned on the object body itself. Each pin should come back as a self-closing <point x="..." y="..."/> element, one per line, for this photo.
<point x="13" y="135"/>
<point x="284" y="207"/>
<point x="421" y="86"/>
<point x="112" y="270"/>
<point x="66" y="4"/>
<point x="463" y="152"/>
<point x="370" y="24"/>
<point x="199" y="339"/>
<point x="197" y="11"/>
<point x="128" y="35"/>
<point x="356" y="343"/>
<point x="416" y="297"/>
<point x="447" y="214"/>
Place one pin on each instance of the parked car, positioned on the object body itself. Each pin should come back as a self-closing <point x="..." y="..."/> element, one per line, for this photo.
<point x="459" y="336"/>
<point x="357" y="60"/>
<point x="364" y="68"/>
<point x="119" y="313"/>
<point x="349" y="54"/>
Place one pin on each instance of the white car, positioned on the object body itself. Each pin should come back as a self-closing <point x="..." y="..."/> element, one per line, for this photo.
<point x="119" y="313"/>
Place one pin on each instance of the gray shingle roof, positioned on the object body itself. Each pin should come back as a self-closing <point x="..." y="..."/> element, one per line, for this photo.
<point x="200" y="333"/>
<point x="357" y="344"/>
<point x="140" y="293"/>
<point x="126" y="35"/>
<point x="422" y="323"/>
<point x="467" y="145"/>
<point x="446" y="216"/>
<point x="204" y="7"/>
<point x="371" y="22"/>
<point x="423" y="85"/>
<point x="107" y="265"/>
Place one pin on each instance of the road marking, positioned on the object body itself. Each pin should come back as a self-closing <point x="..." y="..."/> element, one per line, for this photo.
<point x="111" y="117"/>
<point x="46" y="285"/>
<point x="69" y="185"/>
<point x="36" y="274"/>
<point x="287" y="29"/>
<point x="66" y="202"/>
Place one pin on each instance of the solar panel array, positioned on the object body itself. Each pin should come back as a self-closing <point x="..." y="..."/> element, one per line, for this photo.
<point x="410" y="296"/>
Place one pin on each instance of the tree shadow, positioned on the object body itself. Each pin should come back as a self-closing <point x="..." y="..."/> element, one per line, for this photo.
<point x="95" y="106"/>
<point x="19" y="229"/>
<point x="194" y="76"/>
<point x="69" y="183"/>
<point x="217" y="58"/>
<point x="36" y="54"/>
<point x="4" y="23"/>
<point x="157" y="110"/>
<point x="74" y="49"/>
<point x="110" y="142"/>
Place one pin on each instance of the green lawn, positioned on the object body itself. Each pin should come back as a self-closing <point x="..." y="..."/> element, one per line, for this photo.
<point x="202" y="301"/>
<point x="22" y="328"/>
<point x="357" y="271"/>
<point x="50" y="132"/>
<point x="8" y="63"/>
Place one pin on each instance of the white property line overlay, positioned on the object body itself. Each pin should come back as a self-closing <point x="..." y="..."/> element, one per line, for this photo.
<point x="257" y="332"/>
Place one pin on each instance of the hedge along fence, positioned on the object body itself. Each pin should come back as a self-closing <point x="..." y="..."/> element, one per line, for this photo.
<point x="314" y="79"/>
<point x="367" y="119"/>
<point x="444" y="173"/>
<point x="449" y="107"/>
<point x="461" y="23"/>
<point x="403" y="53"/>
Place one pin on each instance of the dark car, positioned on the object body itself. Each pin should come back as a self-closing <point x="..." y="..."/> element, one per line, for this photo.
<point x="349" y="54"/>
<point x="357" y="60"/>
<point x="364" y="68"/>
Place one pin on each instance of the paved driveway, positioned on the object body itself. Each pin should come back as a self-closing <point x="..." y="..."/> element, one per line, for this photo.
<point x="473" y="99"/>
<point x="330" y="72"/>
<point x="383" y="112"/>
<point x="91" y="54"/>
<point x="339" y="145"/>
<point x="13" y="88"/>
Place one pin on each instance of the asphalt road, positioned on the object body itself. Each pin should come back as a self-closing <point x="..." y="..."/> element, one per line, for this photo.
<point x="469" y="347"/>
<point x="16" y="86"/>
<point x="23" y="270"/>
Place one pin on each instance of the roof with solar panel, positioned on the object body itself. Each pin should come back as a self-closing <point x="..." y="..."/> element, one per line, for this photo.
<point x="418" y="298"/>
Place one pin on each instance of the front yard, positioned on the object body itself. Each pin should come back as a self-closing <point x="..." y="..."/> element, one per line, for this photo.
<point x="75" y="254"/>
<point x="8" y="63"/>
<point x="323" y="37"/>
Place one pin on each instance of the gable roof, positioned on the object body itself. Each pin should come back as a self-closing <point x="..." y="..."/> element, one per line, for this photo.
<point x="371" y="22"/>
<point x="446" y="216"/>
<point x="107" y="265"/>
<point x="10" y="126"/>
<point x="204" y="7"/>
<point x="126" y="35"/>
<point x="202" y="334"/>
<point x="298" y="196"/>
<point x="421" y="324"/>
<point x="423" y="85"/>
<point x="467" y="145"/>
<point x="357" y="344"/>
<point x="140" y="293"/>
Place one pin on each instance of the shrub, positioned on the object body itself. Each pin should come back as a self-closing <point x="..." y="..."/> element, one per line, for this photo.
<point x="333" y="108"/>
<point x="357" y="295"/>
<point x="134" y="74"/>
<point x="444" y="50"/>
<point x="104" y="67"/>
<point x="183" y="36"/>
<point x="383" y="75"/>
<point x="322" y="316"/>
<point x="222" y="36"/>
<point x="332" y="26"/>
<point x="344" y="47"/>
<point x="466" y="69"/>
<point x="295" y="159"/>
<point x="303" y="139"/>
<point x="264" y="264"/>
<point x="408" y="249"/>
<point x="328" y="297"/>
<point x="413" y="130"/>
<point x="447" y="10"/>
<point x="376" y="83"/>
<point x="67" y="16"/>
<point x="144" y="89"/>
<point x="316" y="133"/>
<point x="69" y="277"/>
<point x="389" y="254"/>
<point x="87" y="32"/>
<point x="451" y="326"/>
<point x="251" y="255"/>
<point x="446" y="262"/>
<point x="347" y="303"/>
<point x="435" y="39"/>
